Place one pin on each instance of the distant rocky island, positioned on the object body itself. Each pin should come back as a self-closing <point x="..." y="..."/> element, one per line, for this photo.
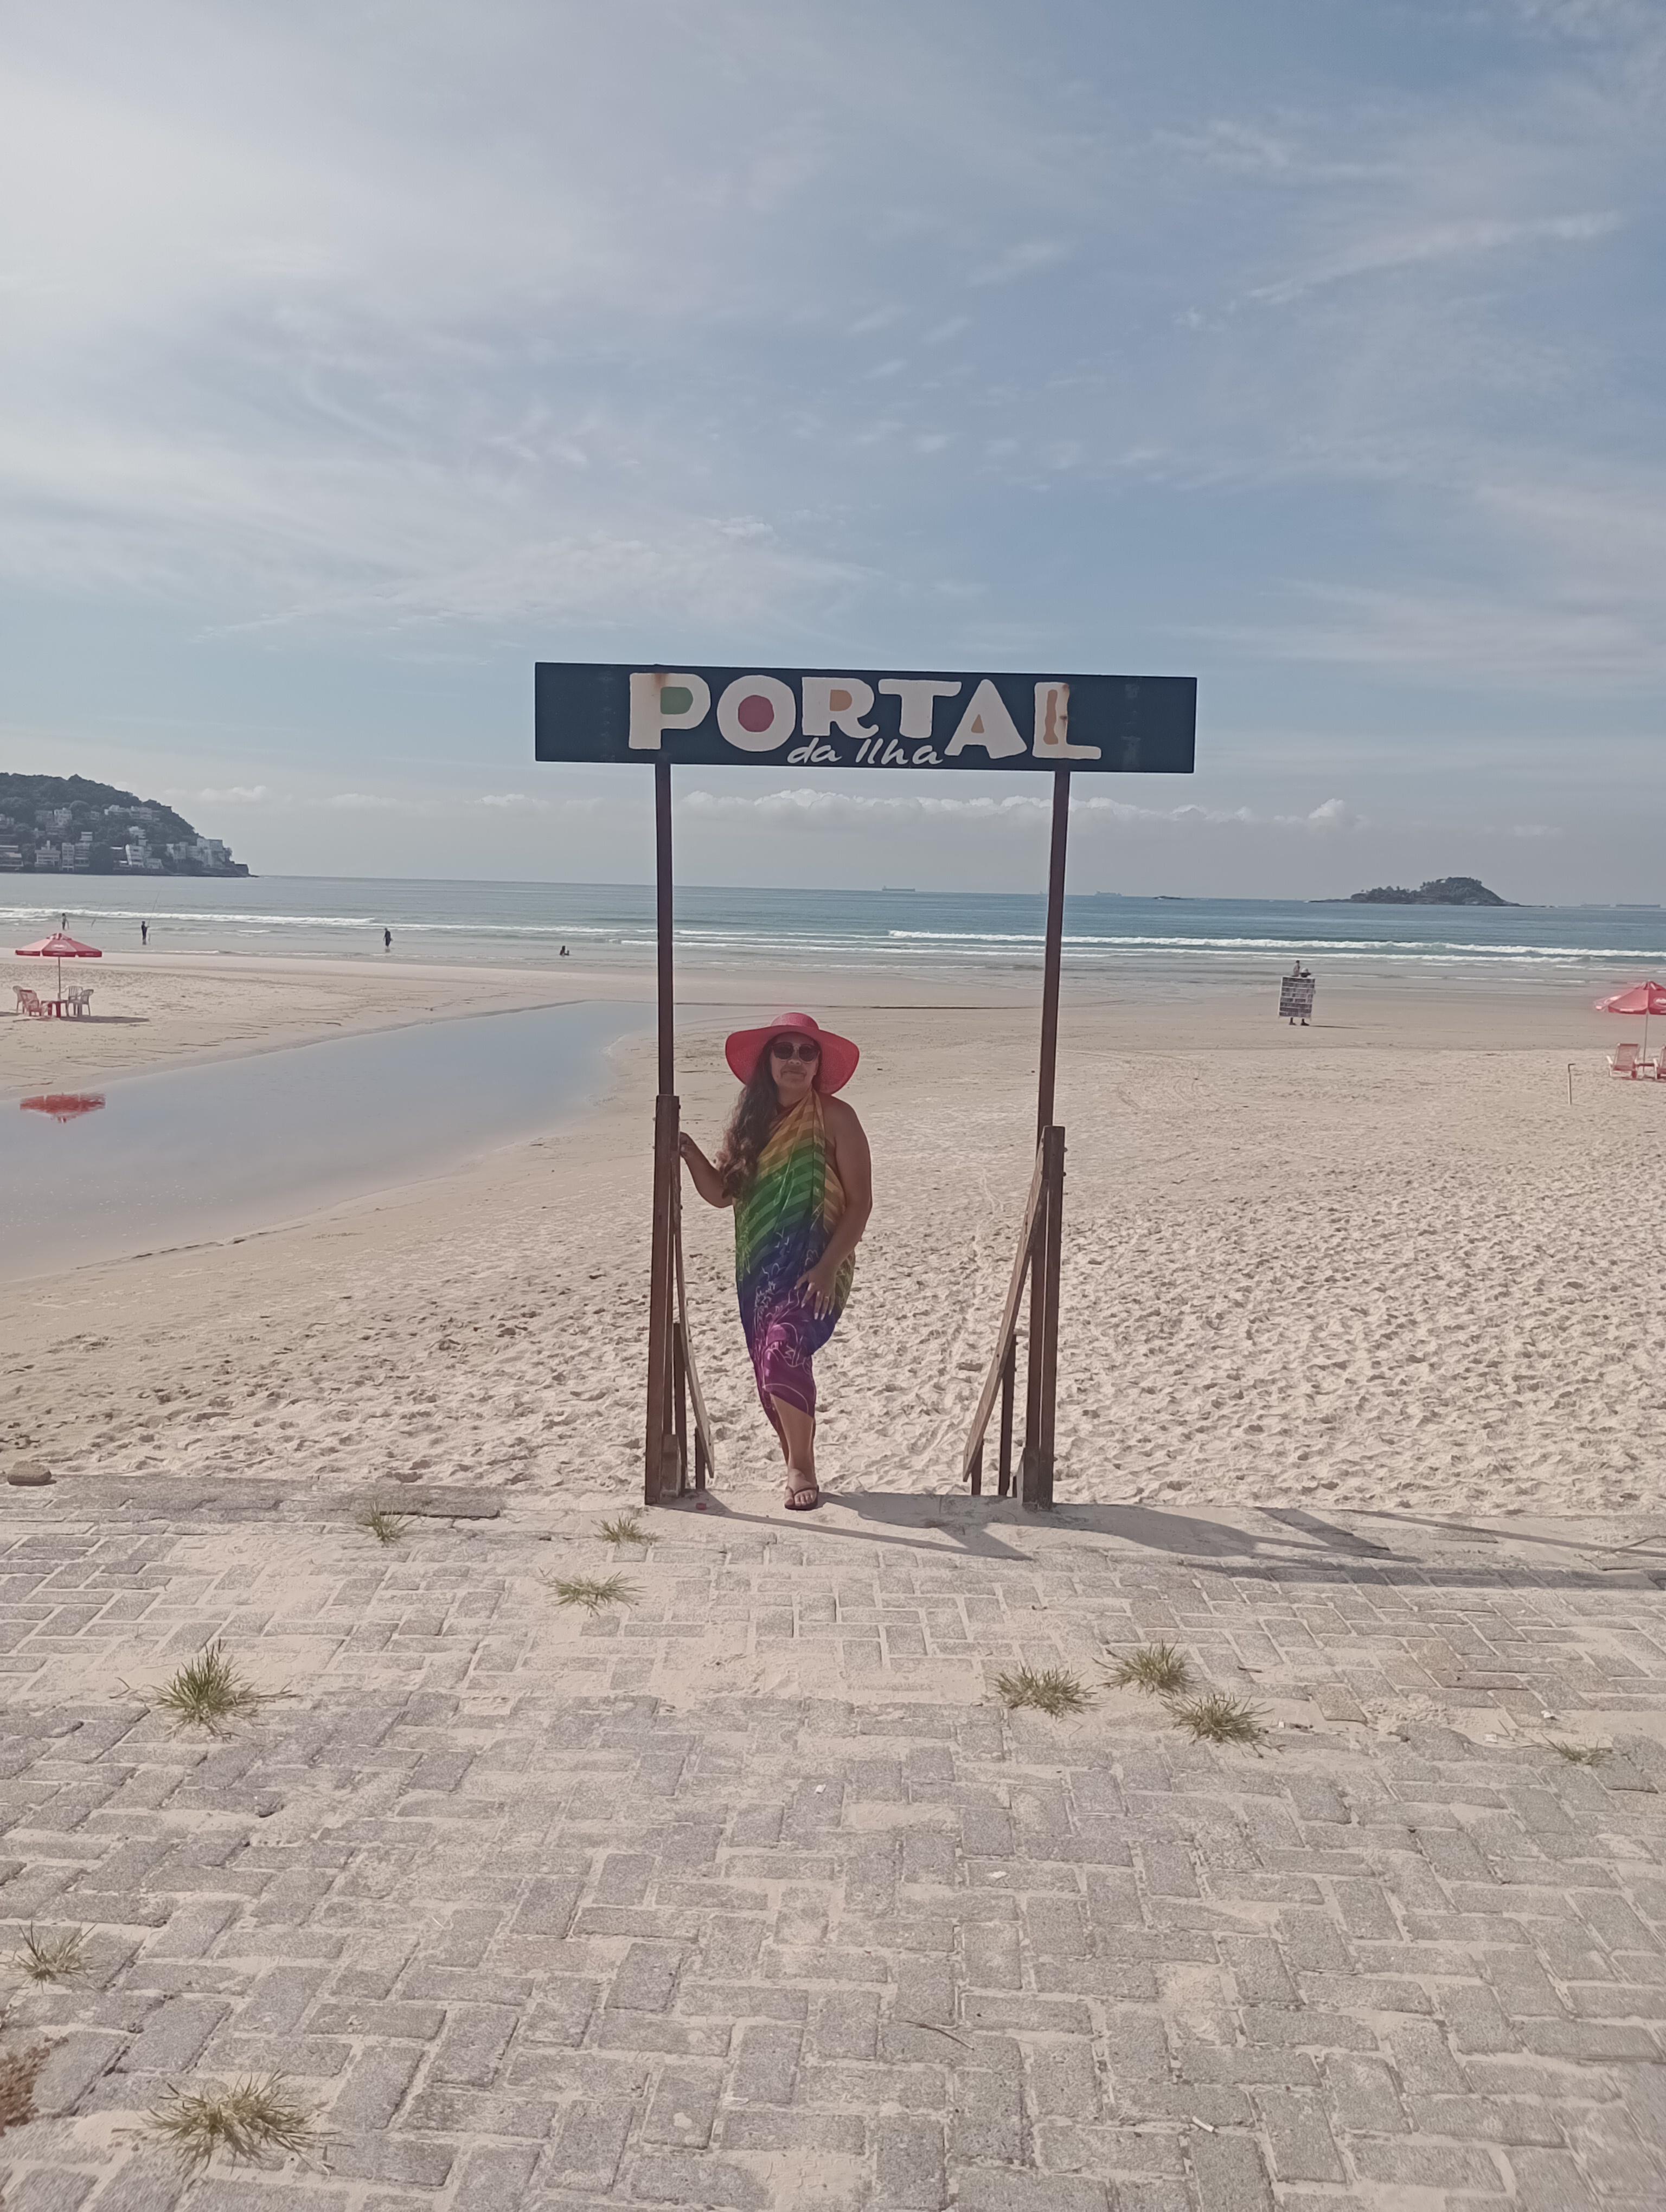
<point x="1439" y="891"/>
<point x="70" y="825"/>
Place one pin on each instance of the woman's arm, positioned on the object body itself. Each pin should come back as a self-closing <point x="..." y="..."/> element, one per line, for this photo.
<point x="848" y="1143"/>
<point x="704" y="1175"/>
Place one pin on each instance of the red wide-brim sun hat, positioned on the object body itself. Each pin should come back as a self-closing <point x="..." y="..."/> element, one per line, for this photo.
<point x="744" y="1048"/>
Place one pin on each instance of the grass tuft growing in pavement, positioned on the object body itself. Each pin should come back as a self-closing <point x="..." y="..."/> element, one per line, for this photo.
<point x="208" y="1691"/>
<point x="1581" y="1754"/>
<point x="592" y="1592"/>
<point x="382" y="1522"/>
<point x="52" y="1957"/>
<point x="1158" y="1668"/>
<point x="18" y="2070"/>
<point x="625" y="1529"/>
<point x="1047" y="1689"/>
<point x="243" y="2120"/>
<point x="1218" y="1718"/>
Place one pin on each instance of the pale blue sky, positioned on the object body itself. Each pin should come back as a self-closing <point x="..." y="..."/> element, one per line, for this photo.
<point x="354" y="356"/>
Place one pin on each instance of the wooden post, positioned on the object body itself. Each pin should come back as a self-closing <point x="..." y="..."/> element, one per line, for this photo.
<point x="1000" y="1376"/>
<point x="1042" y="1368"/>
<point x="662" y="915"/>
<point x="1008" y="1375"/>
<point x="680" y="1408"/>
<point x="1034" y="1362"/>
<point x="702" y="1427"/>
<point x="1041" y="1244"/>
<point x="678" y="1411"/>
<point x="667" y="1167"/>
<point x="1034" y="1270"/>
<point x="1053" y="956"/>
<point x="1044" y="1291"/>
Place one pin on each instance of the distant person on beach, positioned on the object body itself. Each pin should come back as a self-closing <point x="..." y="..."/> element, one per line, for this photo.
<point x="793" y="1165"/>
<point x="144" y="933"/>
<point x="563" y="953"/>
<point x="387" y="940"/>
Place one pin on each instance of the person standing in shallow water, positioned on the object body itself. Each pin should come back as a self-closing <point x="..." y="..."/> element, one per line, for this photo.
<point x="794" y="1165"/>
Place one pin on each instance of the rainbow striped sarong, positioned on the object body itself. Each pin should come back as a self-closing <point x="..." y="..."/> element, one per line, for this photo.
<point x="782" y="1227"/>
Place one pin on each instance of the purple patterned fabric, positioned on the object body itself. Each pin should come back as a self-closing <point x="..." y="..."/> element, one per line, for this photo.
<point x="782" y="1227"/>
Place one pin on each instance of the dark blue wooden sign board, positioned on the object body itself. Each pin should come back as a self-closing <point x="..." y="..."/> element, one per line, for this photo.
<point x="781" y="717"/>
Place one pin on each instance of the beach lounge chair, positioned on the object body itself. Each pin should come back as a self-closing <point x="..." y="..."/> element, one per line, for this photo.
<point x="1622" y="1060"/>
<point x="29" y="1001"/>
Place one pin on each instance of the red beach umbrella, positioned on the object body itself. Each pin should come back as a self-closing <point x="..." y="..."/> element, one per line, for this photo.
<point x="64" y="1105"/>
<point x="1645" y="999"/>
<point x="59" y="947"/>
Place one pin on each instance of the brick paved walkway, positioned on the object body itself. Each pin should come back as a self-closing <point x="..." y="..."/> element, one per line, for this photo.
<point x="754" y="1896"/>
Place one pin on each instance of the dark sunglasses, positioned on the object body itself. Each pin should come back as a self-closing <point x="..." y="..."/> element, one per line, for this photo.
<point x="780" y="1049"/>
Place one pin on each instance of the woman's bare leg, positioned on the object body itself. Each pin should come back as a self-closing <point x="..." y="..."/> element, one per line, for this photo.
<point x="797" y="1436"/>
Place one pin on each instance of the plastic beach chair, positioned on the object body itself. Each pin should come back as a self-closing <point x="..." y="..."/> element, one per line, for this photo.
<point x="1622" y="1060"/>
<point x="29" y="1001"/>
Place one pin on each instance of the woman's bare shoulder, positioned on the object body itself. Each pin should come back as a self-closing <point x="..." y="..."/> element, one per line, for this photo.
<point x="841" y="1117"/>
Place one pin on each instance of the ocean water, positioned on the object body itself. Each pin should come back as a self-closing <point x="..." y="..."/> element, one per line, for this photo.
<point x="152" y="1161"/>
<point x="1135" y="942"/>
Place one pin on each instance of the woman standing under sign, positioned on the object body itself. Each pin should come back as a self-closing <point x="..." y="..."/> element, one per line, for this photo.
<point x="793" y="1165"/>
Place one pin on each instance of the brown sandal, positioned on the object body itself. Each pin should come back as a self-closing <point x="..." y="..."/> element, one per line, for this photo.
<point x="805" y="1499"/>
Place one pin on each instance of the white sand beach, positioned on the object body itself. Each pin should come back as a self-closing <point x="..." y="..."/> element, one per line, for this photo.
<point x="164" y="1010"/>
<point x="1381" y="1262"/>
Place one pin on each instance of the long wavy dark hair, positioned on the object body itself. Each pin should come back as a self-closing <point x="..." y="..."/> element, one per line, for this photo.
<point x="749" y="1127"/>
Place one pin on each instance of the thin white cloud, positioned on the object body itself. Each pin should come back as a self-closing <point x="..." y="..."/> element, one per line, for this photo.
<point x="1439" y="241"/>
<point x="1579" y="604"/>
<point x="804" y="807"/>
<point x="1027" y="259"/>
<point x="503" y="803"/>
<point x="1604" y="20"/>
<point x="1472" y="638"/>
<point x="234" y="794"/>
<point x="523" y="802"/>
<point x="1248" y="148"/>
